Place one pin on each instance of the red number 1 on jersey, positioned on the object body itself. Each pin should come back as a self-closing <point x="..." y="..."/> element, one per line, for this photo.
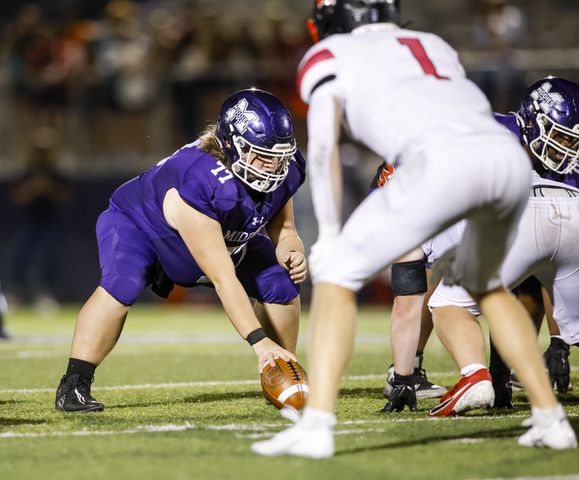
<point x="420" y="54"/>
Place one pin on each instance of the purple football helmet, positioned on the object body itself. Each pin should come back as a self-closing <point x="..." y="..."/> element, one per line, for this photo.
<point x="253" y="123"/>
<point x="549" y="117"/>
<point x="343" y="16"/>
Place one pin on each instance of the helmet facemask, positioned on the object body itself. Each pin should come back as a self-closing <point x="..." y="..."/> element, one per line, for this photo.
<point x="557" y="147"/>
<point x="261" y="180"/>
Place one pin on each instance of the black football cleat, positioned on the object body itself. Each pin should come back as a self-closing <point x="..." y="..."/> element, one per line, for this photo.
<point x="424" y="388"/>
<point x="73" y="395"/>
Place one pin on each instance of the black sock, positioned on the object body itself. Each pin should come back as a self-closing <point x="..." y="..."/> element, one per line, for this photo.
<point x="497" y="365"/>
<point x="80" y="367"/>
<point x="403" y="379"/>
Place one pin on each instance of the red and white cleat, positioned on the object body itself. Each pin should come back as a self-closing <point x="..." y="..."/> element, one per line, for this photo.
<point x="474" y="391"/>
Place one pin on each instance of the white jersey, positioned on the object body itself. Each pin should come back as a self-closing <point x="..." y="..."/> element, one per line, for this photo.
<point x="410" y="82"/>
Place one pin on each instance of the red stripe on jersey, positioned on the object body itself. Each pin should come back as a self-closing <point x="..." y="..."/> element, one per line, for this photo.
<point x="315" y="58"/>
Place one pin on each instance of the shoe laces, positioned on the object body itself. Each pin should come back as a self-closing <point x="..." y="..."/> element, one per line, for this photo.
<point x="83" y="385"/>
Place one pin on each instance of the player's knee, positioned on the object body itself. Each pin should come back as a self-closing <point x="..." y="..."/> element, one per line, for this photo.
<point x="279" y="289"/>
<point x="124" y="290"/>
<point x="409" y="278"/>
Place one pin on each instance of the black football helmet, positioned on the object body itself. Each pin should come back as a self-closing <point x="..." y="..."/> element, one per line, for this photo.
<point x="343" y="16"/>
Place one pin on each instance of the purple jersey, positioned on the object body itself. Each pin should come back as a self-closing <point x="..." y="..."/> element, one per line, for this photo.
<point x="510" y="122"/>
<point x="136" y="210"/>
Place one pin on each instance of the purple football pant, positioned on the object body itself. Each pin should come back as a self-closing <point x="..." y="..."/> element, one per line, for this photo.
<point x="126" y="255"/>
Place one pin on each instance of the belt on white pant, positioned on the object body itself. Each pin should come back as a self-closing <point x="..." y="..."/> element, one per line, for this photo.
<point x="553" y="191"/>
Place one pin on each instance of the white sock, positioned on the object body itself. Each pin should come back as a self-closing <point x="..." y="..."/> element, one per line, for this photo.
<point x="313" y="418"/>
<point x="470" y="369"/>
<point x="546" y="416"/>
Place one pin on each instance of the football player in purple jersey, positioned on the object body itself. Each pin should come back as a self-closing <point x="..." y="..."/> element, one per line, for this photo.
<point x="219" y="212"/>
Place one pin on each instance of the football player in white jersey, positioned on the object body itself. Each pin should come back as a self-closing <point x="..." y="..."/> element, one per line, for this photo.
<point x="545" y="246"/>
<point x="404" y="94"/>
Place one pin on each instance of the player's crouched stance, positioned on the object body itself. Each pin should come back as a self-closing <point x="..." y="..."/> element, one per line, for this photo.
<point x="200" y="216"/>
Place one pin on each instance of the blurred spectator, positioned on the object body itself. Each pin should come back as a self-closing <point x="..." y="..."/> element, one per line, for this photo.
<point x="498" y="28"/>
<point x="39" y="194"/>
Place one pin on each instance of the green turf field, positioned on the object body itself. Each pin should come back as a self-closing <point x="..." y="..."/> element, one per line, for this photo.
<point x="183" y="402"/>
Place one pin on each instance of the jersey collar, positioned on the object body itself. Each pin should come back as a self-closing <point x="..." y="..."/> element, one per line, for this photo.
<point x="375" y="27"/>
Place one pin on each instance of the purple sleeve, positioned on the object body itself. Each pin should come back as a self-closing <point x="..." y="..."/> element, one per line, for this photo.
<point x="509" y="122"/>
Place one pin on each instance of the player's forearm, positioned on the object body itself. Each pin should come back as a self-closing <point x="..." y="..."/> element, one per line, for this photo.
<point x="236" y="305"/>
<point x="324" y="166"/>
<point x="326" y="185"/>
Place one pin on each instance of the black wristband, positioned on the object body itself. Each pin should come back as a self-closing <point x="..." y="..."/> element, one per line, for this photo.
<point x="257" y="335"/>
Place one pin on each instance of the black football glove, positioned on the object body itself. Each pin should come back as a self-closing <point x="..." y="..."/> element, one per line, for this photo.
<point x="557" y="360"/>
<point x="403" y="394"/>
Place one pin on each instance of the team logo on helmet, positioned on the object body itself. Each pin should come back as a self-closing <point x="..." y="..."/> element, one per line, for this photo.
<point x="546" y="100"/>
<point x="240" y="116"/>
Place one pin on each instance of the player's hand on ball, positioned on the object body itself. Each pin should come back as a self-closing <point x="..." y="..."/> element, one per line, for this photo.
<point x="295" y="263"/>
<point x="267" y="350"/>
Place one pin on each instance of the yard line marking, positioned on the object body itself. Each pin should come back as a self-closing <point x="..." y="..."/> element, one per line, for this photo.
<point x="208" y="383"/>
<point x="25" y="354"/>
<point x="163" y="338"/>
<point x="255" y="430"/>
<point x="88" y="433"/>
<point x="550" y="477"/>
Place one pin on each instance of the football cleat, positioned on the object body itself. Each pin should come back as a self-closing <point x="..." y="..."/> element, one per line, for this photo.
<point x="424" y="388"/>
<point x="73" y="395"/>
<point x="474" y="391"/>
<point x="298" y="441"/>
<point x="554" y="432"/>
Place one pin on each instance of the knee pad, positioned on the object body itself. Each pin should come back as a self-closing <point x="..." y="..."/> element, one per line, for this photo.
<point x="409" y="278"/>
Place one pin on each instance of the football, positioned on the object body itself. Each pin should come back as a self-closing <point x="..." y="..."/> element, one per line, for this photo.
<point x="285" y="385"/>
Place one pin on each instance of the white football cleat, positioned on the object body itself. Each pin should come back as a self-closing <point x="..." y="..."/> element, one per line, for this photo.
<point x="298" y="441"/>
<point x="554" y="432"/>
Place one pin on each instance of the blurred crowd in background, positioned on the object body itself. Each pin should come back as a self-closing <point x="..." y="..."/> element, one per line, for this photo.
<point x="93" y="92"/>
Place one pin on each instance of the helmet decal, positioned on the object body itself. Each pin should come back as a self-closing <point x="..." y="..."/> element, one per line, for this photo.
<point x="546" y="101"/>
<point x="240" y="116"/>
